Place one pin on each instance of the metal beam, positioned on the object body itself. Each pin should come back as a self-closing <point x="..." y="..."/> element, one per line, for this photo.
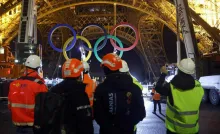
<point x="161" y="14"/>
<point x="10" y="4"/>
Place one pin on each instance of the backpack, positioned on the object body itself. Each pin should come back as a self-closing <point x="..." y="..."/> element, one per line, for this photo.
<point x="49" y="108"/>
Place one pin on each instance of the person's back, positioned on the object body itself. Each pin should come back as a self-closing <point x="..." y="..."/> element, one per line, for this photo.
<point x="184" y="96"/>
<point x="118" y="102"/>
<point x="77" y="115"/>
<point x="21" y="97"/>
<point x="156" y="95"/>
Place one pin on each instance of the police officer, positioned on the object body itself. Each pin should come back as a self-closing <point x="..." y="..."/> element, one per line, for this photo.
<point x="118" y="102"/>
<point x="21" y="97"/>
<point x="77" y="114"/>
<point x="184" y="98"/>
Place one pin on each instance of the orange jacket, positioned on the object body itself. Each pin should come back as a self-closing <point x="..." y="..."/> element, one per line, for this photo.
<point x="90" y="87"/>
<point x="156" y="96"/>
<point x="21" y="98"/>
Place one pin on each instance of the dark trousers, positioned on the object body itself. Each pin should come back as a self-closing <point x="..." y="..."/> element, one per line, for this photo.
<point x="24" y="130"/>
<point x="169" y="132"/>
<point x="155" y="105"/>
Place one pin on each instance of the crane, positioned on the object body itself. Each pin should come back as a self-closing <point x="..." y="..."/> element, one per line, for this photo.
<point x="27" y="36"/>
<point x="184" y="20"/>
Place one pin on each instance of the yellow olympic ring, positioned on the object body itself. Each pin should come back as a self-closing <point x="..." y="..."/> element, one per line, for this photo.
<point x="77" y="37"/>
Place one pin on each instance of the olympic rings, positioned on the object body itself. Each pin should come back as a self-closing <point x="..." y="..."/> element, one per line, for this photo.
<point x="101" y="39"/>
<point x="77" y="37"/>
<point x="72" y="40"/>
<point x="136" y="34"/>
<point x="52" y="31"/>
<point x="105" y="33"/>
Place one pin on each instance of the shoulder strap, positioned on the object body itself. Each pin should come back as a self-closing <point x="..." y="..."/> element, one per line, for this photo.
<point x="31" y="79"/>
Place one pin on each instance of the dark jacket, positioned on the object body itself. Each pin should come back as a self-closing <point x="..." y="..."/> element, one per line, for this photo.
<point x="77" y="111"/>
<point x="110" y="99"/>
<point x="181" y="81"/>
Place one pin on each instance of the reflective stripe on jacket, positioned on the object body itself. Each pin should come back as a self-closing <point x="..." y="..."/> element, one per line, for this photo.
<point x="183" y="116"/>
<point x="21" y="98"/>
<point x="90" y="87"/>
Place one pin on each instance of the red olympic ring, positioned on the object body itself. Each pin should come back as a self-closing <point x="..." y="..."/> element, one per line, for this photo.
<point x="136" y="34"/>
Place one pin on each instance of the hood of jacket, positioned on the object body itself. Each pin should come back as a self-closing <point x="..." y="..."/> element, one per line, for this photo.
<point x="69" y="85"/>
<point x="183" y="81"/>
<point x="119" y="80"/>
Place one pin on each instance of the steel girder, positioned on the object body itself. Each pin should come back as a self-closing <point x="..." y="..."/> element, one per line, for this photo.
<point x="161" y="10"/>
<point x="151" y="41"/>
<point x="7" y="6"/>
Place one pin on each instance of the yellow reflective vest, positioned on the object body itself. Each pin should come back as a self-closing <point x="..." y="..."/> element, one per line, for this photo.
<point x="183" y="116"/>
<point x="136" y="82"/>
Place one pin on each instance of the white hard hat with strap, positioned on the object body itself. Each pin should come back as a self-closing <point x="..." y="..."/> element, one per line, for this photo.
<point x="33" y="61"/>
<point x="186" y="66"/>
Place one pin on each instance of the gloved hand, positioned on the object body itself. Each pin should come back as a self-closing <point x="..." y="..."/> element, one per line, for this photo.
<point x="163" y="70"/>
<point x="86" y="66"/>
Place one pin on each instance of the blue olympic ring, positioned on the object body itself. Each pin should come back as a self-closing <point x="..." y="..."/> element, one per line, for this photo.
<point x="101" y="39"/>
<point x="52" y="31"/>
<point x="105" y="40"/>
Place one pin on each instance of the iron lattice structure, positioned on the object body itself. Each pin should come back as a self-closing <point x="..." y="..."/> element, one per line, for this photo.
<point x="150" y="18"/>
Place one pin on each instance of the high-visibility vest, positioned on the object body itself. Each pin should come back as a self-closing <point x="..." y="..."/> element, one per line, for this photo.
<point x="156" y="95"/>
<point x="136" y="82"/>
<point x="21" y="98"/>
<point x="183" y="116"/>
<point x="90" y="87"/>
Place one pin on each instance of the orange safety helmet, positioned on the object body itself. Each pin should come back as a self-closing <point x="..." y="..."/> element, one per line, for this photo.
<point x="72" y="68"/>
<point x="112" y="61"/>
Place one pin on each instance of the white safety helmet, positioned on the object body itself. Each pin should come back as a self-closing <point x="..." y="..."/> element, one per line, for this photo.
<point x="124" y="67"/>
<point x="187" y="66"/>
<point x="33" y="61"/>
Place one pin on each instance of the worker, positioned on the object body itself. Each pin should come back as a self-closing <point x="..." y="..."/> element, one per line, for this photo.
<point x="21" y="97"/>
<point x="77" y="116"/>
<point x="90" y="86"/>
<point x="156" y="100"/>
<point x="184" y="99"/>
<point x="118" y="102"/>
<point x="125" y="69"/>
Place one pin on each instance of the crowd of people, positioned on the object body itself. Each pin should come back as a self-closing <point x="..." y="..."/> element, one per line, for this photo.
<point x="116" y="104"/>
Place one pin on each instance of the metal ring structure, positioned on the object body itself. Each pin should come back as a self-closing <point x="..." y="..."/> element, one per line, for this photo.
<point x="105" y="34"/>
<point x="136" y="34"/>
<point x="101" y="39"/>
<point x="77" y="37"/>
<point x="55" y="28"/>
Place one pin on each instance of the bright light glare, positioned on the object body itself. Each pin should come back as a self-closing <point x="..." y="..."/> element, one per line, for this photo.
<point x="80" y="48"/>
<point x="16" y="61"/>
<point x="2" y="50"/>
